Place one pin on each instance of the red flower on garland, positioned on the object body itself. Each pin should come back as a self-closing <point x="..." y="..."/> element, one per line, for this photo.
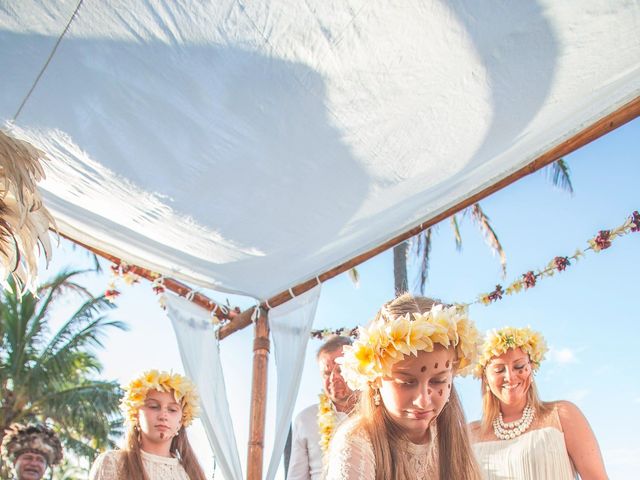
<point x="529" y="279"/>
<point x="111" y="295"/>
<point x="115" y="269"/>
<point x="602" y="240"/>
<point x="635" y="221"/>
<point x="158" y="289"/>
<point x="496" y="294"/>
<point x="561" y="263"/>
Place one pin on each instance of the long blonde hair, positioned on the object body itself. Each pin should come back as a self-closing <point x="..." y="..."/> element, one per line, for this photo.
<point x="132" y="468"/>
<point x="455" y="456"/>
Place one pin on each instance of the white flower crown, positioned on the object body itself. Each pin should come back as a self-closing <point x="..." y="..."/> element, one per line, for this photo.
<point x="387" y="340"/>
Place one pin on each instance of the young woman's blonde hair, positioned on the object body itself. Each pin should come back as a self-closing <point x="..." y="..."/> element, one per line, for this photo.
<point x="132" y="468"/>
<point x="455" y="456"/>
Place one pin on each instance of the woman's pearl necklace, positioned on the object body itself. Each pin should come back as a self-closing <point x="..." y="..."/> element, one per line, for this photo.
<point x="507" y="431"/>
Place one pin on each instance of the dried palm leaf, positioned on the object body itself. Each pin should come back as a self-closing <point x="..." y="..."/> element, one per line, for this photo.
<point x="24" y="221"/>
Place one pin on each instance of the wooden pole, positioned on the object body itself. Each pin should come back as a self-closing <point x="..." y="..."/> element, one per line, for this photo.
<point x="258" y="397"/>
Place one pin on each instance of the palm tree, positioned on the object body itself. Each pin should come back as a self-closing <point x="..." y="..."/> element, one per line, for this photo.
<point x="558" y="173"/>
<point x="49" y="377"/>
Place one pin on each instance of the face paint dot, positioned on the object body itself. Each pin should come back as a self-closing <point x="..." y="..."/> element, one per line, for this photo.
<point x="440" y="392"/>
<point x="436" y="365"/>
<point x="423" y="369"/>
<point x="447" y="364"/>
<point x="449" y="386"/>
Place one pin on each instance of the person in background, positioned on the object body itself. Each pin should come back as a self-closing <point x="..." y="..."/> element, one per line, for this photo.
<point x="158" y="407"/>
<point x="519" y="435"/>
<point x="314" y="426"/>
<point x="31" y="449"/>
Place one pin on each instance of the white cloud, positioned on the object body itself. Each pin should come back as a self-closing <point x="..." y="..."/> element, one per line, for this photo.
<point x="563" y="356"/>
<point x="578" y="395"/>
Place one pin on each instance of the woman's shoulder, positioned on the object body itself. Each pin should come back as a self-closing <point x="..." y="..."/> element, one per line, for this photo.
<point x="350" y="453"/>
<point x="351" y="436"/>
<point x="566" y="409"/>
<point x="105" y="465"/>
<point x="351" y="430"/>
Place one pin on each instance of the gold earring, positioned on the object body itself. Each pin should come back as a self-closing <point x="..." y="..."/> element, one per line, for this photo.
<point x="376" y="398"/>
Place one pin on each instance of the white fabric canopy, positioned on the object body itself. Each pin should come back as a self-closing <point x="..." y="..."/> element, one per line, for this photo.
<point x="249" y="145"/>
<point x="200" y="354"/>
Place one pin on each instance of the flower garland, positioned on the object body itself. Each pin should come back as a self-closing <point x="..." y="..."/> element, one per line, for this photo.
<point x="184" y="391"/>
<point x="388" y="340"/>
<point x="501" y="341"/>
<point x="599" y="242"/>
<point x="327" y="421"/>
<point x="126" y="272"/>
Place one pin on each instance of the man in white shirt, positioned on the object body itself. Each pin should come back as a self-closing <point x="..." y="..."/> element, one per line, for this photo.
<point x="306" y="453"/>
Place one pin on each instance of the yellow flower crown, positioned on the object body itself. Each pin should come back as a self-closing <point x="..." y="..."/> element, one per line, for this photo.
<point x="500" y="341"/>
<point x="184" y="391"/>
<point x="388" y="340"/>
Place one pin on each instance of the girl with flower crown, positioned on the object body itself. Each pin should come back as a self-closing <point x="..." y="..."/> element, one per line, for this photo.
<point x="408" y="422"/>
<point x="158" y="406"/>
<point x="520" y="436"/>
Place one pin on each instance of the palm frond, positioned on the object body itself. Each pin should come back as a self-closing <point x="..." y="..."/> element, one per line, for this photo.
<point x="560" y="176"/>
<point x="456" y="231"/>
<point x="423" y="251"/>
<point x="46" y="376"/>
<point x="489" y="234"/>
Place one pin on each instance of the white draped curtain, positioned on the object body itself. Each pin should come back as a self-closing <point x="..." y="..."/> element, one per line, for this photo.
<point x="200" y="353"/>
<point x="290" y="326"/>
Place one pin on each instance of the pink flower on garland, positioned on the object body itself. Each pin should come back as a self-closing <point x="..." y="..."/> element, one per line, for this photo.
<point x="561" y="263"/>
<point x="602" y="240"/>
<point x="529" y="279"/>
<point x="635" y="221"/>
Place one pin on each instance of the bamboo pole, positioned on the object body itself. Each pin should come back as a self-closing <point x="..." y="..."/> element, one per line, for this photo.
<point x="258" y="397"/>
<point x="624" y="114"/>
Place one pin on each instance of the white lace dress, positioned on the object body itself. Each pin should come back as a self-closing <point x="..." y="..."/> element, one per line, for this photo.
<point x="539" y="453"/>
<point x="351" y="456"/>
<point x="158" y="468"/>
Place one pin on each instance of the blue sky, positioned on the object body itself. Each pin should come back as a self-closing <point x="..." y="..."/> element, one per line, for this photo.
<point x="588" y="313"/>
